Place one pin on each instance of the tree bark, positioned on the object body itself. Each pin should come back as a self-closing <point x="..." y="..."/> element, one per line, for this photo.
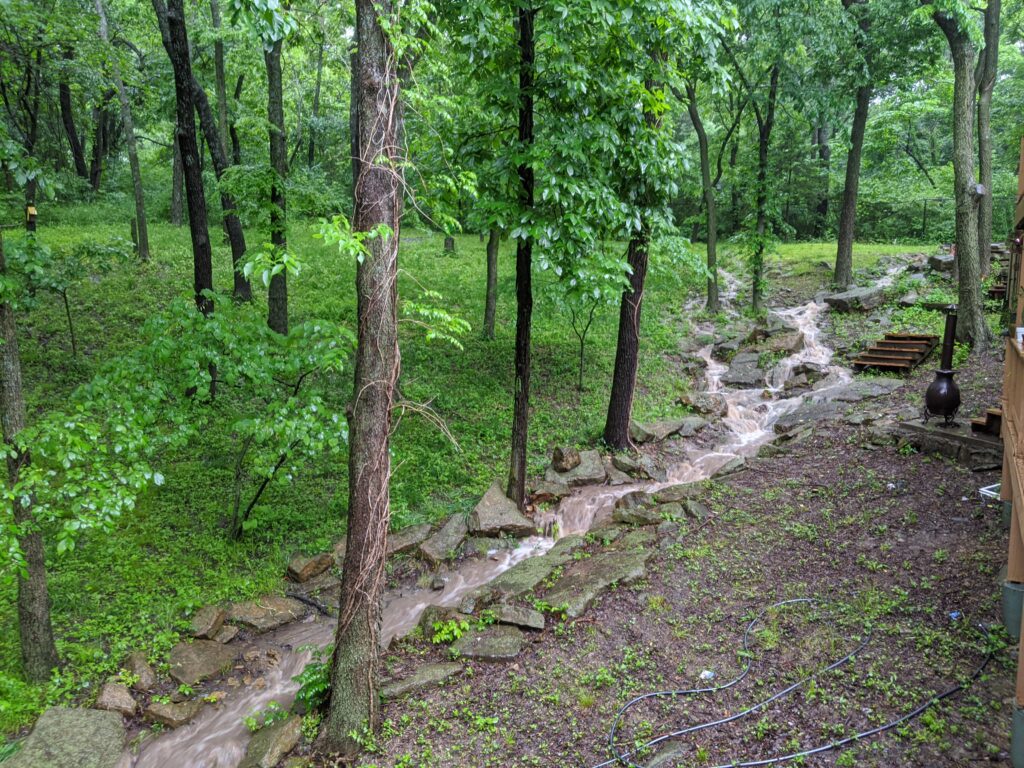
<point x="354" y="705"/>
<point x="491" y="299"/>
<point x="67" y="117"/>
<point x="241" y="288"/>
<point x="176" y="43"/>
<point x="101" y="140"/>
<point x="971" y="326"/>
<point x="277" y="298"/>
<point x="825" y="165"/>
<point x="177" y="182"/>
<point x="627" y="350"/>
<point x="311" y="155"/>
<point x="129" y="129"/>
<point x="38" y="650"/>
<point x="843" y="275"/>
<point x="714" y="303"/>
<point x="987" y="69"/>
<point x="765" y="124"/>
<point x="236" y="145"/>
<point x="524" y="265"/>
<point x="219" y="77"/>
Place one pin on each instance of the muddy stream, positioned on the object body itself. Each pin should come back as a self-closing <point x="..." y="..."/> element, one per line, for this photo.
<point x="217" y="738"/>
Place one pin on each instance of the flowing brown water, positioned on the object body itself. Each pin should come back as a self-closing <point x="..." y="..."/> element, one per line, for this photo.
<point x="217" y="738"/>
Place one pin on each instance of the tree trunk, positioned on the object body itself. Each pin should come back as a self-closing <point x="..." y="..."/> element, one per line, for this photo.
<point x="354" y="705"/>
<point x="765" y="123"/>
<point x="353" y="116"/>
<point x="176" y="43"/>
<point x="491" y="301"/>
<point x="219" y="78"/>
<point x="277" y="299"/>
<point x="524" y="265"/>
<point x="236" y="145"/>
<point x="177" y="181"/>
<point x="100" y="140"/>
<point x="67" y="116"/>
<point x="825" y="164"/>
<point x="129" y="129"/>
<point x="241" y="289"/>
<point x="843" y="276"/>
<point x="627" y="350"/>
<point x="988" y="68"/>
<point x="311" y="155"/>
<point x="38" y="651"/>
<point x="971" y="326"/>
<point x="714" y="304"/>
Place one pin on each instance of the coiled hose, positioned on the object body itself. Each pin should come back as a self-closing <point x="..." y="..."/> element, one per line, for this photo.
<point x="624" y="758"/>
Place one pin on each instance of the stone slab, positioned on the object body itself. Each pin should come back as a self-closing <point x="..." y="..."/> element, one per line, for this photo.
<point x="589" y="472"/>
<point x="267" y="613"/>
<point x="272" y="742"/>
<point x="495" y="644"/>
<point x="447" y="541"/>
<point x="425" y="678"/>
<point x="495" y="514"/>
<point x="577" y="589"/>
<point x="194" y="662"/>
<point x="408" y="538"/>
<point x="72" y="738"/>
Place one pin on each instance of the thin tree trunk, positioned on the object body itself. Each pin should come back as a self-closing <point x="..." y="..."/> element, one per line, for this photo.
<point x="100" y="140"/>
<point x="277" y="299"/>
<point x="311" y="155"/>
<point x="765" y="125"/>
<point x="491" y="299"/>
<point x="241" y="288"/>
<point x="971" y="326"/>
<point x="236" y="145"/>
<point x="825" y="165"/>
<point x="627" y="350"/>
<point x="219" y="77"/>
<point x="67" y="116"/>
<point x="843" y="276"/>
<point x="714" y="304"/>
<point x="129" y="129"/>
<point x="524" y="266"/>
<point x="177" y="184"/>
<point x="38" y="650"/>
<point x="175" y="37"/>
<point x="988" y="68"/>
<point x="355" y="705"/>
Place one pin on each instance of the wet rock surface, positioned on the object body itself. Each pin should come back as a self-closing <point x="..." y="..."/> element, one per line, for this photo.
<point x="194" y="662"/>
<point x="408" y="538"/>
<point x="494" y="644"/>
<point x="172" y="715"/>
<point x="267" y="613"/>
<point x="115" y="697"/>
<point x="590" y="471"/>
<point x="272" y="742"/>
<point x="496" y="514"/>
<point x="744" y="372"/>
<point x="303" y="568"/>
<point x="426" y="677"/>
<point x="577" y="589"/>
<point x="446" y="542"/>
<point x="72" y="738"/>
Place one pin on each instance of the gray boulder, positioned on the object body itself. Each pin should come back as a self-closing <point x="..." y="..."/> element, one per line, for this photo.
<point x="408" y="538"/>
<point x="447" y="541"/>
<point x="942" y="262"/>
<point x="744" y="372"/>
<point x="565" y="459"/>
<point x="194" y="662"/>
<point x="590" y="471"/>
<point x="302" y="569"/>
<point x="424" y="678"/>
<point x="207" y="621"/>
<point x="856" y="299"/>
<point x="173" y="715"/>
<point x="272" y="742"/>
<point x="115" y="697"/>
<point x="494" y="644"/>
<point x="267" y="613"/>
<point x="72" y="738"/>
<point x="496" y="514"/>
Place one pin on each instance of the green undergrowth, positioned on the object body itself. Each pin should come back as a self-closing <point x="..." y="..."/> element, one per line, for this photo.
<point x="136" y="588"/>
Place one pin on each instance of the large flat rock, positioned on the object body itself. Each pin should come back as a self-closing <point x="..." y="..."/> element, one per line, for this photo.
<point x="424" y="678"/>
<point x="657" y="431"/>
<point x="447" y="541"/>
<point x="272" y="742"/>
<point x="496" y="514"/>
<point x="579" y="587"/>
<point x="408" y="538"/>
<point x="494" y="644"/>
<point x="173" y="715"/>
<point x="590" y="471"/>
<point x="856" y="299"/>
<point x="267" y="613"/>
<point x="744" y="372"/>
<point x="192" y="662"/>
<point x="865" y="388"/>
<point x="72" y="738"/>
<point x="524" y="576"/>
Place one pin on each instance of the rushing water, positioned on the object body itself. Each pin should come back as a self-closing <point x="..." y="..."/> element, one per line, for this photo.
<point x="217" y="738"/>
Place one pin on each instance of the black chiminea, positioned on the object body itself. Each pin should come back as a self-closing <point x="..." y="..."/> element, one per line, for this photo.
<point x="943" y="395"/>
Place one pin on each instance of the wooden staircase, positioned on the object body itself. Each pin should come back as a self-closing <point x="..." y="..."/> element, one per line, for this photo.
<point x="990" y="424"/>
<point x="897" y="352"/>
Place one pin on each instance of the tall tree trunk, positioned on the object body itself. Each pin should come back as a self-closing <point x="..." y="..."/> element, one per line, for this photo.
<point x="236" y="145"/>
<point x="843" y="276"/>
<point x="765" y="124"/>
<point x="67" y="117"/>
<point x="101" y="119"/>
<point x="38" y="650"/>
<point x="277" y="299"/>
<point x="177" y="183"/>
<point x="524" y="265"/>
<point x="491" y="299"/>
<point x="311" y="155"/>
<point x="714" y="304"/>
<point x="129" y="129"/>
<point x="176" y="43"/>
<point x="354" y="705"/>
<point x="219" y="77"/>
<point x="353" y="116"/>
<point x="627" y="350"/>
<point x="241" y="289"/>
<point x="971" y="326"/>
<point x="987" y="69"/>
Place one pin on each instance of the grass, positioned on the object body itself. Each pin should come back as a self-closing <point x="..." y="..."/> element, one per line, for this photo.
<point x="136" y="588"/>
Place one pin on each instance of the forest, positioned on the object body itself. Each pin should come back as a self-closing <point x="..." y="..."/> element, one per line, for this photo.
<point x="407" y="383"/>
